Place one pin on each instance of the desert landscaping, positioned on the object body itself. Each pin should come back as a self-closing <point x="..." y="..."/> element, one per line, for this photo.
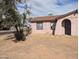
<point x="38" y="46"/>
<point x="33" y="29"/>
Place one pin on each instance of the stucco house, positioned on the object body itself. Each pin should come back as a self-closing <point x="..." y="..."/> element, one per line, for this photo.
<point x="66" y="24"/>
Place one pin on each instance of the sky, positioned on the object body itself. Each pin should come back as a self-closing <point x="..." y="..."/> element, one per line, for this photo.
<point x="56" y="7"/>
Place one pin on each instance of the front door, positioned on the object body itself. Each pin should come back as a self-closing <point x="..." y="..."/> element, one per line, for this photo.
<point x="67" y="27"/>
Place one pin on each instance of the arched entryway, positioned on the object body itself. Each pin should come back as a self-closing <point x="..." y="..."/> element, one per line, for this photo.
<point x="67" y="26"/>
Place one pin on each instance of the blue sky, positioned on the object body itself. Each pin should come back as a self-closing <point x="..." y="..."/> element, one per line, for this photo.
<point x="56" y="7"/>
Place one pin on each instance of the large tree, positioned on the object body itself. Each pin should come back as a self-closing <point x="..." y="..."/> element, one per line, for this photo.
<point x="9" y="16"/>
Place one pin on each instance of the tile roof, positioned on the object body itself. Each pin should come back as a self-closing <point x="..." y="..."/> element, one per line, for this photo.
<point x="52" y="18"/>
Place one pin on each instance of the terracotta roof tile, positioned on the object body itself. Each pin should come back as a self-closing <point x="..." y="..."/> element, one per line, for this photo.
<point x="51" y="18"/>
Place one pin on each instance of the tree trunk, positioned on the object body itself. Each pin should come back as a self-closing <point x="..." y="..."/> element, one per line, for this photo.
<point x="53" y="32"/>
<point x="19" y="34"/>
<point x="54" y="27"/>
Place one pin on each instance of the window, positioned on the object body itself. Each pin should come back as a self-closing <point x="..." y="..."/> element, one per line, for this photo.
<point x="39" y="26"/>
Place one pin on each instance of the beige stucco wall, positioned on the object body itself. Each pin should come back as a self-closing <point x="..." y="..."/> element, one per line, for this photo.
<point x="74" y="25"/>
<point x="59" y="29"/>
<point x="46" y="28"/>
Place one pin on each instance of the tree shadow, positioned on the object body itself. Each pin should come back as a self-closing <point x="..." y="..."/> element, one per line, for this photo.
<point x="12" y="38"/>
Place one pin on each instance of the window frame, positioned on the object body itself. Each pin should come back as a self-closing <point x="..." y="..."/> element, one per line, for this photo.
<point x="38" y="26"/>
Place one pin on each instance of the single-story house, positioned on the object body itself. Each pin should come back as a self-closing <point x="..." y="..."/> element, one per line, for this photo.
<point x="66" y="24"/>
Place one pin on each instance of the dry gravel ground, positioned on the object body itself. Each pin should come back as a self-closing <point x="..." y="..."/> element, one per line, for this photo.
<point x="39" y="46"/>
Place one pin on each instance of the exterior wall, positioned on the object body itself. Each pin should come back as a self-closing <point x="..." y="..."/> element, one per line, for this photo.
<point x="59" y="28"/>
<point x="74" y="25"/>
<point x="46" y="28"/>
